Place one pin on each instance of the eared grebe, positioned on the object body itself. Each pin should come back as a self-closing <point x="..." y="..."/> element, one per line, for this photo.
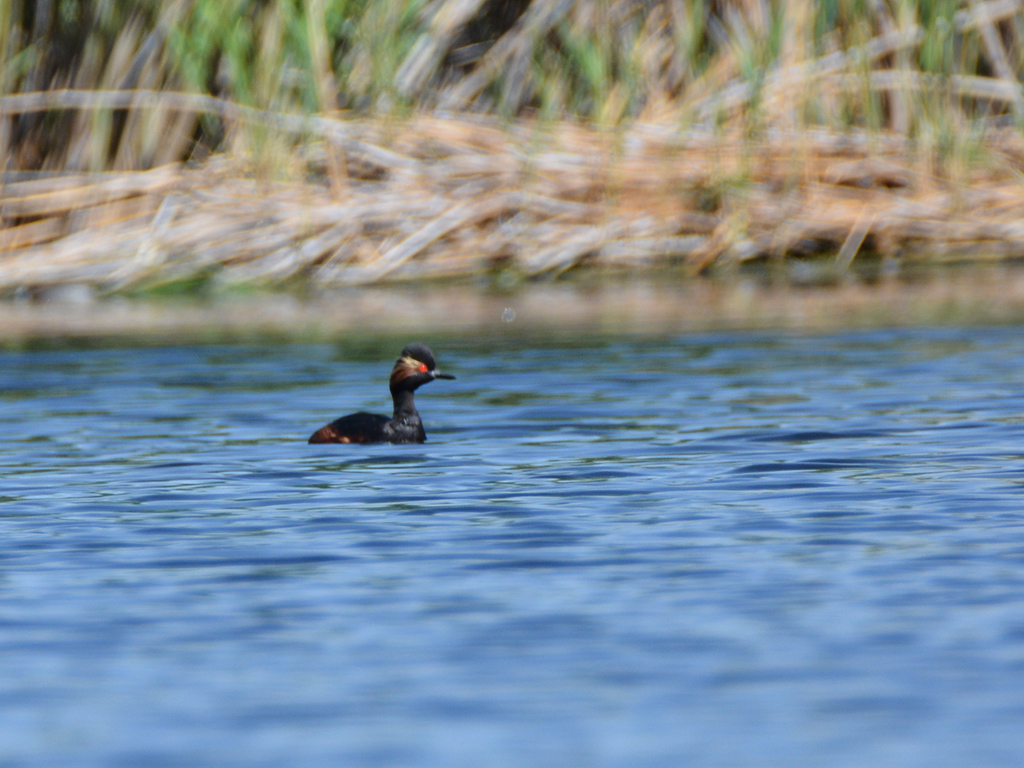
<point x="413" y="369"/>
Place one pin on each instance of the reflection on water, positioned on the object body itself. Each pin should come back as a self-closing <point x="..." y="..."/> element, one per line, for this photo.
<point x="717" y="550"/>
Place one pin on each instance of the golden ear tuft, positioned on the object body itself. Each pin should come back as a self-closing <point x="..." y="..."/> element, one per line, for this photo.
<point x="416" y="365"/>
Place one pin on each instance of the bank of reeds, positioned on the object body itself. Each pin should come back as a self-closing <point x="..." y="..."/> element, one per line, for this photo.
<point x="357" y="142"/>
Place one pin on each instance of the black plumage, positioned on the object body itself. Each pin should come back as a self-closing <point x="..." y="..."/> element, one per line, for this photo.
<point x="414" y="368"/>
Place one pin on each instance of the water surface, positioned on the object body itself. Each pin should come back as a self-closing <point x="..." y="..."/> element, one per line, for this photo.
<point x="720" y="550"/>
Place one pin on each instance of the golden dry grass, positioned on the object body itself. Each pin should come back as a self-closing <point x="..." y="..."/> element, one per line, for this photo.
<point x="432" y="196"/>
<point x="634" y="133"/>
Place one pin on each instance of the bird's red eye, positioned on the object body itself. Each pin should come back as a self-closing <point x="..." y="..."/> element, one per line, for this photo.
<point x="423" y="368"/>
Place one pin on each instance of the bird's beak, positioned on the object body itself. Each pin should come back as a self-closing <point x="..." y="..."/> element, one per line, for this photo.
<point x="439" y="375"/>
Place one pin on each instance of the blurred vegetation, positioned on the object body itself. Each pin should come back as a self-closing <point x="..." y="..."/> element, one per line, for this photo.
<point x="506" y="139"/>
<point x="937" y="71"/>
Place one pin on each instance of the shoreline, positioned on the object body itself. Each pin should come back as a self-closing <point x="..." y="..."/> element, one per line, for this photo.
<point x="612" y="307"/>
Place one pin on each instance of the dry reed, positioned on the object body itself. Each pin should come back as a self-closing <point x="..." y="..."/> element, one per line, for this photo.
<point x="633" y="141"/>
<point x="523" y="200"/>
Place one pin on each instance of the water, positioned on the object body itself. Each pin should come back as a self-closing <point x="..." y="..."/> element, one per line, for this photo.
<point x="722" y="550"/>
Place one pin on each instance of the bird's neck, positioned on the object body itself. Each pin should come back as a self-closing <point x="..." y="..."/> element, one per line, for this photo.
<point x="404" y="403"/>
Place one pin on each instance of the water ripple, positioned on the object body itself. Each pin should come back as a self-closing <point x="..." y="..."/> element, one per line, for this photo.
<point x="722" y="550"/>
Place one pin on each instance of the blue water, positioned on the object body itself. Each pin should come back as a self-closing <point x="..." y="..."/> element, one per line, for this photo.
<point x="720" y="550"/>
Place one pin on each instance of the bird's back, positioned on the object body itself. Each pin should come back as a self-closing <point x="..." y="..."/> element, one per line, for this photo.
<point x="356" y="428"/>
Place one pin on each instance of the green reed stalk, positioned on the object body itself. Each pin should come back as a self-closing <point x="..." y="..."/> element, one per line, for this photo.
<point x="735" y="66"/>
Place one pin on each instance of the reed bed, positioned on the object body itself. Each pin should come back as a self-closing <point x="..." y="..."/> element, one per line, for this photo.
<point x="443" y="139"/>
<point x="471" y="196"/>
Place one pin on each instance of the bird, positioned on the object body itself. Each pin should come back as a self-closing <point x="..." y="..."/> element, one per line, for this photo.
<point x="414" y="367"/>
